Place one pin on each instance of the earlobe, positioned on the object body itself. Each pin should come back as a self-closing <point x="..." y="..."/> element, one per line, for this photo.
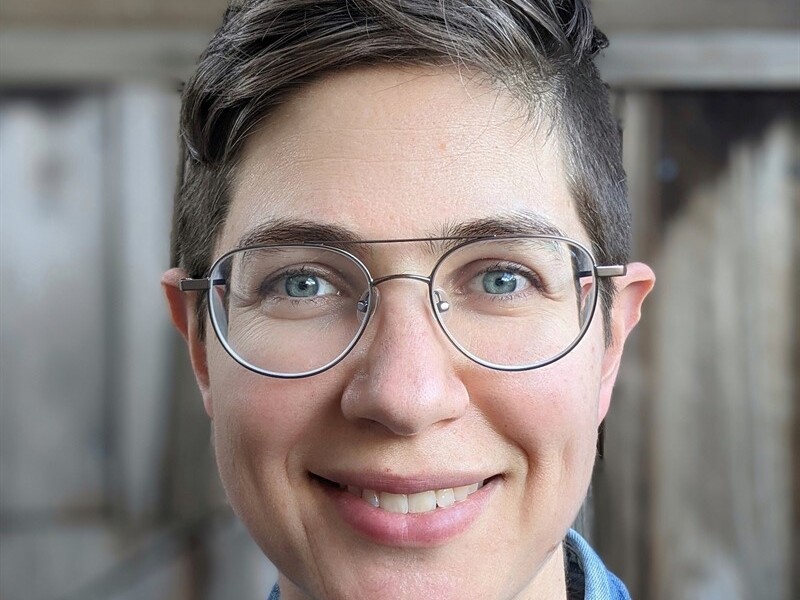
<point x="632" y="289"/>
<point x="182" y="312"/>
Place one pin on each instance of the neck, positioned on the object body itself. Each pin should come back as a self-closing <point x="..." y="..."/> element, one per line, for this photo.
<point x="551" y="581"/>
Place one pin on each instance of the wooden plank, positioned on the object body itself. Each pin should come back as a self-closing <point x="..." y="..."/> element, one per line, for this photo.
<point x="53" y="350"/>
<point x="636" y="59"/>
<point x="623" y="479"/>
<point x="48" y="57"/>
<point x="113" y="13"/>
<point x="142" y="161"/>
<point x="721" y="512"/>
<point x="657" y="15"/>
<point x="705" y="60"/>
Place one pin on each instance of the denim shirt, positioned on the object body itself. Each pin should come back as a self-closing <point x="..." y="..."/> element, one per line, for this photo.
<point x="584" y="566"/>
<point x="587" y="576"/>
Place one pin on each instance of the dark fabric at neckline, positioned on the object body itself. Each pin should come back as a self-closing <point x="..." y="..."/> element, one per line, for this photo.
<point x="576" y="581"/>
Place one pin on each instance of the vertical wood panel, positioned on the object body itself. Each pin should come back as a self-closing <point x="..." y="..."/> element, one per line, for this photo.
<point x="52" y="354"/>
<point x="623" y="478"/>
<point x="142" y="133"/>
<point x="723" y="409"/>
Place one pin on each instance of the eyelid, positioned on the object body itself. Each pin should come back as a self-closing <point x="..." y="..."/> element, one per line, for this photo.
<point x="329" y="276"/>
<point x="470" y="273"/>
<point x="286" y="273"/>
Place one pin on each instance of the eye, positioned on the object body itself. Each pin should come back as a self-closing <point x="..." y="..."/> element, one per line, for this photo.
<point x="307" y="285"/>
<point x="503" y="282"/>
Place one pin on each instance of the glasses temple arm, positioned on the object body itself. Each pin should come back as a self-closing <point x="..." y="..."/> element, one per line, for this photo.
<point x="198" y="285"/>
<point x="612" y="271"/>
<point x="607" y="271"/>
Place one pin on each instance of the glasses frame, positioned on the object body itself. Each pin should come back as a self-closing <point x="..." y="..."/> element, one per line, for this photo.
<point x="206" y="284"/>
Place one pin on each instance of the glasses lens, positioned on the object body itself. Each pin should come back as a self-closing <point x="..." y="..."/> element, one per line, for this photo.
<point x="289" y="310"/>
<point x="515" y="303"/>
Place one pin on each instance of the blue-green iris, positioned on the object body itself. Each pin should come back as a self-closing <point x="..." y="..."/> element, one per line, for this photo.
<point x="499" y="282"/>
<point x="302" y="286"/>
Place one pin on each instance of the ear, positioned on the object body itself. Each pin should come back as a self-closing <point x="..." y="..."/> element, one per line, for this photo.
<point x="632" y="289"/>
<point x="182" y="308"/>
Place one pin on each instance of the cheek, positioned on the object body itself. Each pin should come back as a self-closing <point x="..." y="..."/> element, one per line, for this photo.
<point x="259" y="424"/>
<point x="549" y="414"/>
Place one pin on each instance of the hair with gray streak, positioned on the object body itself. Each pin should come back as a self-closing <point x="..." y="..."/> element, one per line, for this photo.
<point x="540" y="51"/>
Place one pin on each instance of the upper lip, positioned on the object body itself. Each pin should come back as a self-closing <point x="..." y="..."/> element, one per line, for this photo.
<point x="407" y="484"/>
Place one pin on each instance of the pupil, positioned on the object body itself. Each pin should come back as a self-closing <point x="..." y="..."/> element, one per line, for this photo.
<point x="302" y="286"/>
<point x="499" y="282"/>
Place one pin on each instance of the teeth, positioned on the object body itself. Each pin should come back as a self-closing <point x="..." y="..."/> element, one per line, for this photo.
<point x="394" y="503"/>
<point x="461" y="493"/>
<point x="445" y="498"/>
<point x="414" y="503"/>
<point x="371" y="496"/>
<point x="421" y="502"/>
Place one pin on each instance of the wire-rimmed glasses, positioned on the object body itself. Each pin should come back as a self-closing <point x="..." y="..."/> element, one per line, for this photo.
<point x="511" y="303"/>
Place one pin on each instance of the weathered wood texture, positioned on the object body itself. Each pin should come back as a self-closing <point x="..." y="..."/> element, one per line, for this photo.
<point x="621" y="491"/>
<point x="694" y="498"/>
<point x="51" y="301"/>
<point x="706" y="60"/>
<point x="107" y="484"/>
<point x="634" y="60"/>
<point x="714" y="465"/>
<point x="113" y="13"/>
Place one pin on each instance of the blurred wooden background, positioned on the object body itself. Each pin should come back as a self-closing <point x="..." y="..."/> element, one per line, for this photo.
<point x="694" y="499"/>
<point x="107" y="484"/>
<point x="611" y="14"/>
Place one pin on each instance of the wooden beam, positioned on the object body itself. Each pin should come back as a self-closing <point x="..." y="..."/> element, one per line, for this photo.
<point x="705" y="60"/>
<point x="611" y="15"/>
<point x="181" y="14"/>
<point x="658" y="15"/>
<point x="52" y="57"/>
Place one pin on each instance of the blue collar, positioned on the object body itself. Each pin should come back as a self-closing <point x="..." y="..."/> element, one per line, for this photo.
<point x="598" y="582"/>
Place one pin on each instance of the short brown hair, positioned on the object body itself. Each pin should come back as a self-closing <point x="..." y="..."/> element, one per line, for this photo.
<point x="541" y="51"/>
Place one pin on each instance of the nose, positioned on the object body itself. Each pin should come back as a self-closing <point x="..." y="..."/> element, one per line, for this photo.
<point x="406" y="380"/>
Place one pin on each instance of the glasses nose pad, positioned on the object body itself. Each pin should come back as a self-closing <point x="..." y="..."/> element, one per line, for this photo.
<point x="440" y="301"/>
<point x="367" y="302"/>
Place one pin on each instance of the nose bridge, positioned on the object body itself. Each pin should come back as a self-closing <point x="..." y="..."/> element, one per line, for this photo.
<point x="408" y="382"/>
<point x="400" y="307"/>
<point x="440" y="304"/>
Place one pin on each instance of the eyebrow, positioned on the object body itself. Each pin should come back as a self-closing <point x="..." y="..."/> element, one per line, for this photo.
<point x="297" y="231"/>
<point x="522" y="222"/>
<point x="302" y="231"/>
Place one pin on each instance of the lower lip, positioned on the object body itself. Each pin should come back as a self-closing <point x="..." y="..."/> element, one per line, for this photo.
<point x="418" y="530"/>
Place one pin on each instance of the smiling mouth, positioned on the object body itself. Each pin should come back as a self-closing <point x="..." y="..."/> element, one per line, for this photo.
<point x="419" y="502"/>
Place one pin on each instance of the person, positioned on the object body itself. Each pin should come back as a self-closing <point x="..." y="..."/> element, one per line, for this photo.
<point x="401" y="267"/>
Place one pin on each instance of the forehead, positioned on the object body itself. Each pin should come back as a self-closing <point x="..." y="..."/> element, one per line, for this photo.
<point x="399" y="153"/>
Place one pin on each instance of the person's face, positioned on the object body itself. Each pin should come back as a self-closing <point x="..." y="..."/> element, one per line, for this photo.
<point x="405" y="154"/>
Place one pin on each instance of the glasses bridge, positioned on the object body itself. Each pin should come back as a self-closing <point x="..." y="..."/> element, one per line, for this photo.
<point x="441" y="305"/>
